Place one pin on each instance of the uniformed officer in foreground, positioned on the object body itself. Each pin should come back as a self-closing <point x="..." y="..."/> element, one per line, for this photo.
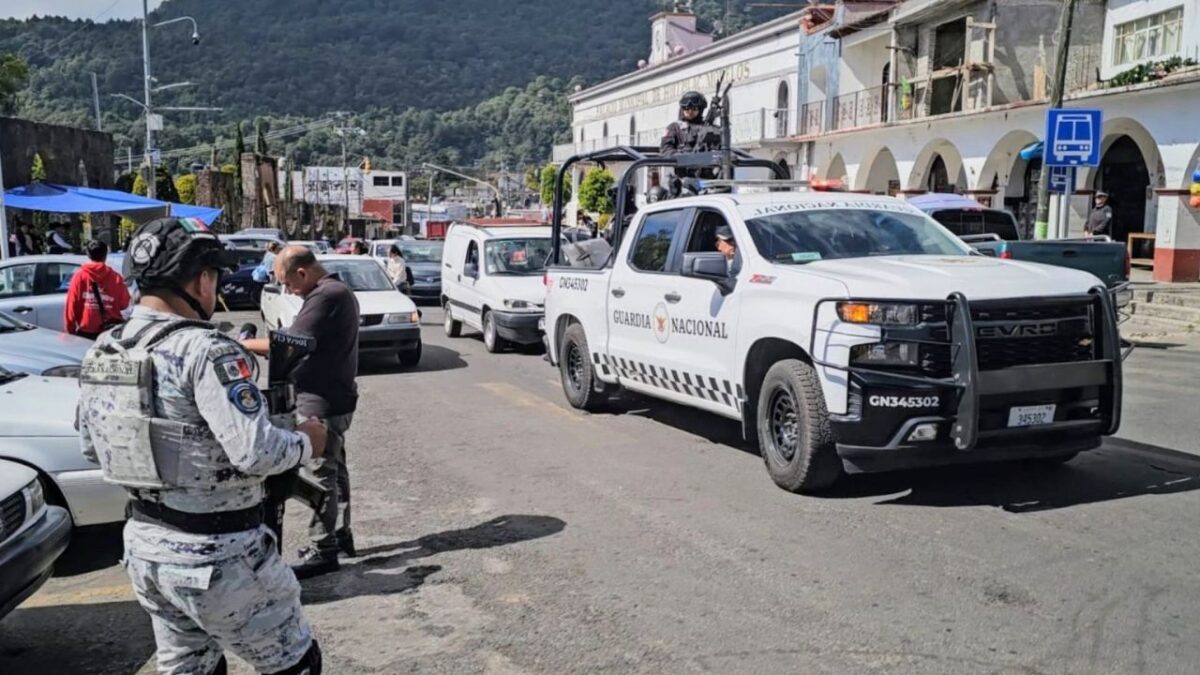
<point x="686" y="134"/>
<point x="170" y="410"/>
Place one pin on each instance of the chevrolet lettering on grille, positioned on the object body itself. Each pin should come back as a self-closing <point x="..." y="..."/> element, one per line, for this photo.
<point x="1017" y="329"/>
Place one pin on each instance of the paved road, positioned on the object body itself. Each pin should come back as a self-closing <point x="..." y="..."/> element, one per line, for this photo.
<point x="504" y="533"/>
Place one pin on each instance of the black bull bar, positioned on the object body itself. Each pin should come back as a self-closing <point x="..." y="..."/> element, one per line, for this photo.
<point x="1103" y="371"/>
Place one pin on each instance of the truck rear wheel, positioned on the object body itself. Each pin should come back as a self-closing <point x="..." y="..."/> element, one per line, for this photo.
<point x="578" y="375"/>
<point x="795" y="437"/>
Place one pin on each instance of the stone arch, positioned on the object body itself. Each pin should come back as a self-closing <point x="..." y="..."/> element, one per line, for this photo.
<point x="877" y="170"/>
<point x="928" y="161"/>
<point x="835" y="168"/>
<point x="1192" y="166"/>
<point x="1130" y="164"/>
<point x="1004" y="166"/>
<point x="783" y="109"/>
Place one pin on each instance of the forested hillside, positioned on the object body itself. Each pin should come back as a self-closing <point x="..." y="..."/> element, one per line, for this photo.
<point x="458" y="81"/>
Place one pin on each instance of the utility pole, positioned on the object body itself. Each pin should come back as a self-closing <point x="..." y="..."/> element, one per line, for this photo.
<point x="96" y="102"/>
<point x="3" y="218"/>
<point x="151" y="188"/>
<point x="1042" y="222"/>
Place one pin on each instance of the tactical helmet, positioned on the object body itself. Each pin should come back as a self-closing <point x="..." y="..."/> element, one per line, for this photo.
<point x="167" y="252"/>
<point x="693" y="99"/>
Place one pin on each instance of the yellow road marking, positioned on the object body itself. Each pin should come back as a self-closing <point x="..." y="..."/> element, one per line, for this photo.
<point x="514" y="394"/>
<point x="80" y="596"/>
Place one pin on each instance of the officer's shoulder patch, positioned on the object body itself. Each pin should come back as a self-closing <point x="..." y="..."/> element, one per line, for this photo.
<point x="233" y="368"/>
<point x="245" y="397"/>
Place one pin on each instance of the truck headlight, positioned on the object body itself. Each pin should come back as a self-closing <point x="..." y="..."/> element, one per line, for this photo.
<point x="403" y="317"/>
<point x="886" y="354"/>
<point x="62" y="371"/>
<point x="878" y="313"/>
<point x="519" y="304"/>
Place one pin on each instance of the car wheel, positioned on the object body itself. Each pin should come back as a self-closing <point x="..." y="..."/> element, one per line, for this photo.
<point x="410" y="357"/>
<point x="453" y="327"/>
<point x="491" y="339"/>
<point x="577" y="372"/>
<point x="795" y="437"/>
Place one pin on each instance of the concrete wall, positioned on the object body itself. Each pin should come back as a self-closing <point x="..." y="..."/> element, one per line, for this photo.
<point x="61" y="148"/>
<point x="863" y="57"/>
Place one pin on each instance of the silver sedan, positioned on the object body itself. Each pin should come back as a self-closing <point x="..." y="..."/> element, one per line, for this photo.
<point x="26" y="348"/>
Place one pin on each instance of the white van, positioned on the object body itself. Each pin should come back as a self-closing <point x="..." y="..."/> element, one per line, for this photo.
<point x="492" y="281"/>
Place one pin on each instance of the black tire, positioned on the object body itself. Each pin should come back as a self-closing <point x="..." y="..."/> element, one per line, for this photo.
<point x="410" y="358"/>
<point x="795" y="437"/>
<point x="452" y="327"/>
<point x="491" y="338"/>
<point x="577" y="373"/>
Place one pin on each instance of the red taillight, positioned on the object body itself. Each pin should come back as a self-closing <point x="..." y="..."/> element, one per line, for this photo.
<point x="546" y="279"/>
<point x="1005" y="254"/>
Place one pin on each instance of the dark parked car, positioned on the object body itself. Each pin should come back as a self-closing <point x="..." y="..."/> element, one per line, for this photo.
<point x="424" y="261"/>
<point x="239" y="289"/>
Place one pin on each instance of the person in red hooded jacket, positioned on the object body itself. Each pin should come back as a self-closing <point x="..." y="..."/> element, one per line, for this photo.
<point x="96" y="297"/>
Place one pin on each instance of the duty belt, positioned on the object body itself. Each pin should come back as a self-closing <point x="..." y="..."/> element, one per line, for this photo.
<point x="222" y="522"/>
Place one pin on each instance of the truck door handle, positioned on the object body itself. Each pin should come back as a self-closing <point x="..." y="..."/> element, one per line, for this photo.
<point x="672" y="297"/>
<point x="618" y="292"/>
<point x="23" y="309"/>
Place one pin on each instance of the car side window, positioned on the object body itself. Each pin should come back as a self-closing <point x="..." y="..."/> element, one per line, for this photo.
<point x="652" y="248"/>
<point x="472" y="254"/>
<point x="703" y="238"/>
<point x="16" y="280"/>
<point x="58" y="277"/>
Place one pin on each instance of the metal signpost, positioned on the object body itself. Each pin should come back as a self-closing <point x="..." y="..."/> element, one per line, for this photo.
<point x="1072" y="140"/>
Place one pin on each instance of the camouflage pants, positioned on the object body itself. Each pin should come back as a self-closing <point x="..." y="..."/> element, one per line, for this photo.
<point x="248" y="604"/>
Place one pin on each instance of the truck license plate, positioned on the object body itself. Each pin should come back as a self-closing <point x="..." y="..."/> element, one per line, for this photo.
<point x="1030" y="415"/>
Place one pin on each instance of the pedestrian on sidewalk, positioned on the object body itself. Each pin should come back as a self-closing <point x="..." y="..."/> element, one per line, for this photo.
<point x="1100" y="220"/>
<point x="96" y="297"/>
<point x="57" y="240"/>
<point x="325" y="389"/>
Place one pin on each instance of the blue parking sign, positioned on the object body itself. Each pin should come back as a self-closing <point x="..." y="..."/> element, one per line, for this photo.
<point x="1062" y="179"/>
<point x="1072" y="137"/>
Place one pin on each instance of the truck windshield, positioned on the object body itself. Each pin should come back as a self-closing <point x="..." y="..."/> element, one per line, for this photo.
<point x="518" y="257"/>
<point x="360" y="276"/>
<point x="800" y="237"/>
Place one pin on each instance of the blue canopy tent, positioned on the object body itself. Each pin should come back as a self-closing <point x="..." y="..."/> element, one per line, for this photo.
<point x="54" y="198"/>
<point x="207" y="214"/>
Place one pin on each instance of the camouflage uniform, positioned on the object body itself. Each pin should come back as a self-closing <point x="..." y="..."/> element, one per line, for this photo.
<point x="206" y="593"/>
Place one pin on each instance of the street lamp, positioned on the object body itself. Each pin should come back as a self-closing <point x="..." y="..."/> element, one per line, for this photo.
<point x="342" y="133"/>
<point x="151" y="188"/>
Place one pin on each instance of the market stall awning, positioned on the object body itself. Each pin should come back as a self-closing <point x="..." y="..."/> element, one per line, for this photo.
<point x="206" y="213"/>
<point x="53" y="198"/>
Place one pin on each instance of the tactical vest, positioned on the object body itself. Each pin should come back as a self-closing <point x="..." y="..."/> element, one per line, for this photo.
<point x="136" y="448"/>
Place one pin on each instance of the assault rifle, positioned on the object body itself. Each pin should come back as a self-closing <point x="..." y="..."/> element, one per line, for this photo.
<point x="285" y="355"/>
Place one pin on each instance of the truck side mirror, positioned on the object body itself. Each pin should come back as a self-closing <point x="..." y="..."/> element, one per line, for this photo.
<point x="710" y="266"/>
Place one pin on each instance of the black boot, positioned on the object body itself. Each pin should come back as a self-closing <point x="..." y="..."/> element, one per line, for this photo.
<point x="314" y="563"/>
<point x="345" y="539"/>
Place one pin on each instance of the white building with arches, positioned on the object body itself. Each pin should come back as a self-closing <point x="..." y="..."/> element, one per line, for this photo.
<point x="916" y="96"/>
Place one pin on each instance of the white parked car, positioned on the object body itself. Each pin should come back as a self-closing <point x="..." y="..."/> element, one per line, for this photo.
<point x="388" y="319"/>
<point x="32" y="535"/>
<point x="37" y="429"/>
<point x="492" y="281"/>
<point x="26" y="348"/>
<point x="317" y="246"/>
<point x="33" y="288"/>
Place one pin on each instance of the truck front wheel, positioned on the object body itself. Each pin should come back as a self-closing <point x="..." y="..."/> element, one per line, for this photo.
<point x="795" y="437"/>
<point x="575" y="368"/>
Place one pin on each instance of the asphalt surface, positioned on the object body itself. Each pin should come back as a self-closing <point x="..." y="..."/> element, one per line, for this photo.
<point x="501" y="532"/>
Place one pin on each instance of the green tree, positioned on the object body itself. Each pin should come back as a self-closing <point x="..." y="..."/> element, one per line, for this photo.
<point x="164" y="186"/>
<point x="185" y="185"/>
<point x="139" y="186"/>
<point x="549" y="172"/>
<point x="37" y="172"/>
<point x="533" y="178"/>
<point x="262" y="126"/>
<point x="14" y="75"/>
<point x="593" y="191"/>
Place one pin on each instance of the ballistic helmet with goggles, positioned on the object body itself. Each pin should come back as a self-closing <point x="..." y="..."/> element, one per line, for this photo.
<point x="693" y="99"/>
<point x="166" y="253"/>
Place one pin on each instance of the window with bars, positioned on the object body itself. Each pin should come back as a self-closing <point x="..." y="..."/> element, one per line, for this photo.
<point x="1148" y="37"/>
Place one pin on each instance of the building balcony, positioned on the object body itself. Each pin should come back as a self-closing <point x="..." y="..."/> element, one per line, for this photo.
<point x="764" y="124"/>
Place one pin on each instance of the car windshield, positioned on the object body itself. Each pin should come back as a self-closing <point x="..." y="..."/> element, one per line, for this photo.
<point x="518" y="257"/>
<point x="364" y="275"/>
<point x="799" y="237"/>
<point x="249" y="242"/>
<point x="10" y="325"/>
<point x="422" y="251"/>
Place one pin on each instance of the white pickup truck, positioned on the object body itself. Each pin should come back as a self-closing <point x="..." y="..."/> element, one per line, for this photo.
<point x="847" y="333"/>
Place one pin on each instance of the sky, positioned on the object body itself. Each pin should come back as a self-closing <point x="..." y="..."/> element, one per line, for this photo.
<point x="98" y="10"/>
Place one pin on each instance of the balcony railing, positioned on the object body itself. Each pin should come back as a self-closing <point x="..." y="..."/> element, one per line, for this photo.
<point x="860" y="108"/>
<point x="764" y="124"/>
<point x="812" y="118"/>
